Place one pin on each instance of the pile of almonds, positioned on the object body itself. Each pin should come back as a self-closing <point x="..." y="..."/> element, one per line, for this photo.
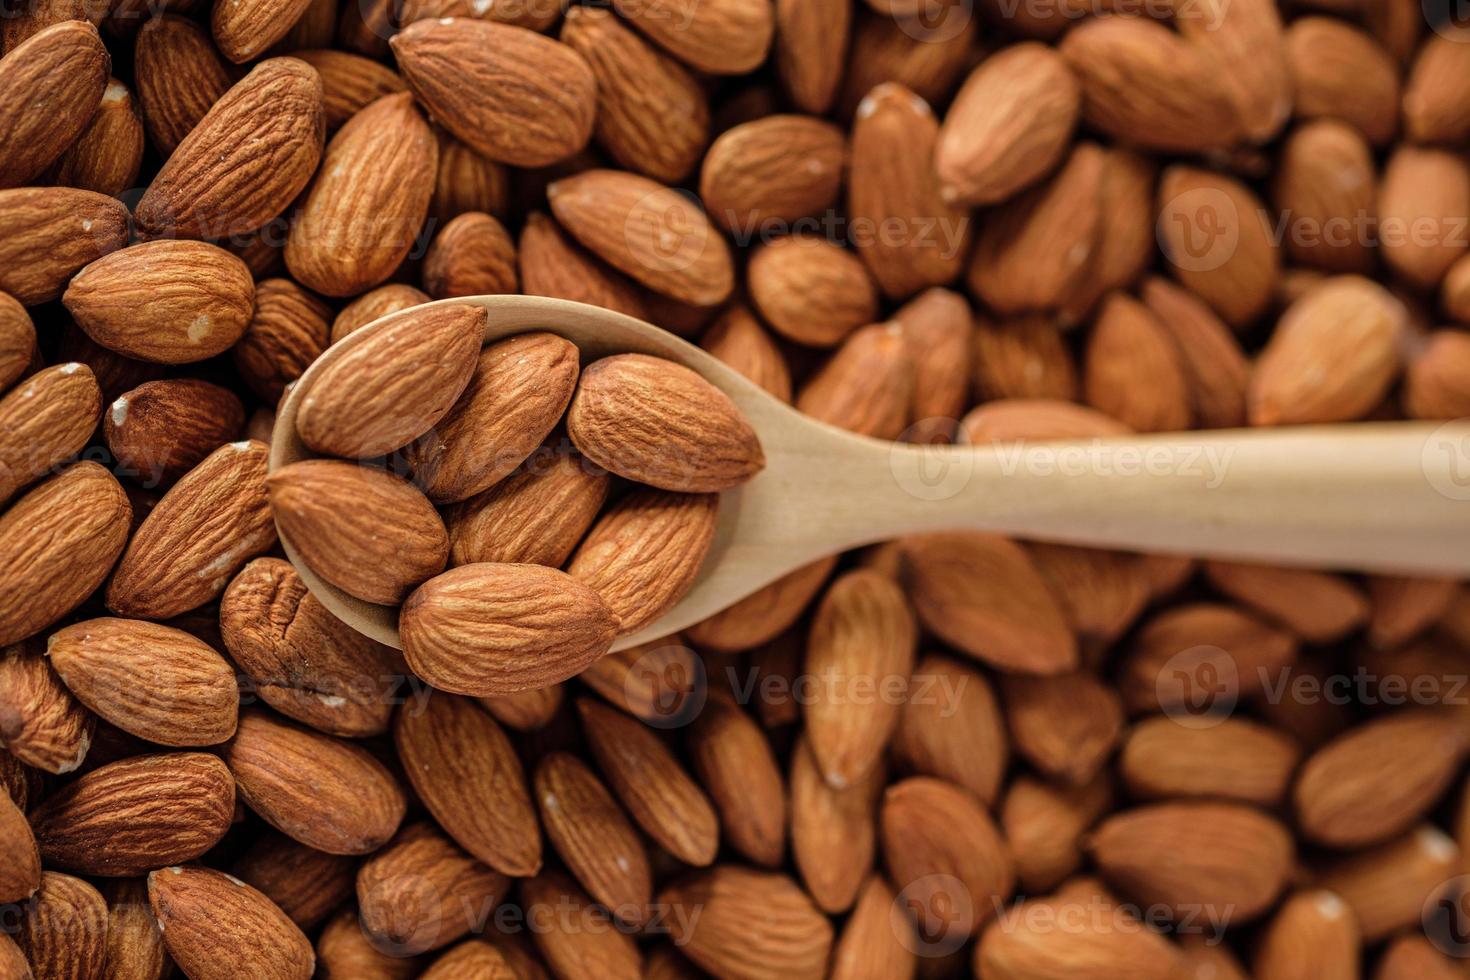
<point x="948" y="755"/>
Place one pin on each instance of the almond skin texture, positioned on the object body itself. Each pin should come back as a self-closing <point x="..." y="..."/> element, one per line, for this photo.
<point x="107" y="156"/>
<point x="472" y="255"/>
<point x="1009" y="125"/>
<point x="551" y="264"/>
<point x="834" y="830"/>
<point x="153" y="681"/>
<point x="330" y="511"/>
<point x="44" y="422"/>
<point x="728" y="37"/>
<point x="243" y="31"/>
<point x="756" y="925"/>
<point x="1132" y="370"/>
<point x="764" y="614"/>
<point x="650" y="232"/>
<point x="811" y="45"/>
<point x="775" y="169"/>
<point x="644" y="552"/>
<point x="350" y="82"/>
<point x="535" y="516"/>
<point x="42" y="724"/>
<point x="62" y="930"/>
<point x="1214" y="368"/>
<point x="288" y="331"/>
<point x="1428" y="190"/>
<point x="1066" y="726"/>
<point x="245" y="161"/>
<point x="393" y="386"/>
<point x="520" y="388"/>
<point x="50" y="86"/>
<point x="57" y="544"/>
<point x="306" y="883"/>
<point x="738" y="339"/>
<point x="511" y="94"/>
<point x="810" y="290"/>
<point x="734" y="760"/>
<point x="212" y="923"/>
<point x="878" y="940"/>
<point x="180" y="76"/>
<point x="325" y="792"/>
<point x="48" y="233"/>
<point x="492" y="629"/>
<point x="655" y="789"/>
<point x="172" y="302"/>
<point x="374" y="305"/>
<point x="981" y="593"/>
<point x="211" y="523"/>
<point x="657" y="422"/>
<point x="136" y="814"/>
<point x="951" y="727"/>
<point x="866" y="386"/>
<point x="466" y="771"/>
<point x="21" y="874"/>
<point x="161" y="430"/>
<point x="17" y="341"/>
<point x="577" y="938"/>
<point x="1251" y="762"/>
<point x="367" y="202"/>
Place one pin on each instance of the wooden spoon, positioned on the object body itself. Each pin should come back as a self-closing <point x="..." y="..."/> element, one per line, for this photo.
<point x="1390" y="497"/>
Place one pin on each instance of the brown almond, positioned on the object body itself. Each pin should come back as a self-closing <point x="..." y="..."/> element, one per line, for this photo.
<point x="325" y="792"/>
<point x="1387" y="886"/>
<point x="1341" y="71"/>
<point x="577" y="940"/>
<point x="1126" y="238"/>
<point x="1215" y="370"/>
<point x="466" y="771"/>
<point x="161" y="430"/>
<point x="243" y="31"/>
<point x="1326" y="182"/>
<point x="332" y="513"/>
<point x="737" y="765"/>
<point x="834" y="830"/>
<point x="810" y="290"/>
<point x="771" y="171"/>
<point x="1317" y="606"/>
<point x="374" y="305"/>
<point x="810" y="69"/>
<point x="536" y="516"/>
<point x="937" y="334"/>
<point x="1312" y="935"/>
<point x="42" y="724"/>
<point x="1432" y="109"/>
<point x="728" y="37"/>
<point x="754" y="924"/>
<point x="107" y="156"/>
<point x="350" y="82"/>
<point x="467" y="181"/>
<point x="392" y="387"/>
<point x="1066" y="725"/>
<point x="63" y="929"/>
<point x="1404" y="606"/>
<point x="17" y="341"/>
<point x="152" y="681"/>
<point x="51" y="85"/>
<point x="48" y="233"/>
<point x="287" y="332"/>
<point x="1434" y="383"/>
<point x="1013" y="420"/>
<point x="343" y="950"/>
<point x="1023" y="358"/>
<point x="306" y="883"/>
<point x="1132" y="371"/>
<point x="21" y="874"/>
<point x="511" y="94"/>
<point x="878" y="941"/>
<point x="866" y="386"/>
<point x="472" y="255"/>
<point x="526" y="711"/>
<point x="1423" y="198"/>
<point x="518" y="392"/>
<point x="951" y="727"/>
<point x="129" y="816"/>
<point x="198" y="536"/>
<point x="245" y="161"/>
<point x="551" y="264"/>
<point x="1249" y="762"/>
<point x="179" y="75"/>
<point x="1044" y="824"/>
<point x="1102" y="592"/>
<point x="44" y="422"/>
<point x="764" y="614"/>
<point x="930" y="58"/>
<point x="738" y="339"/>
<point x="212" y="923"/>
<point x="524" y="627"/>
<point x="135" y="948"/>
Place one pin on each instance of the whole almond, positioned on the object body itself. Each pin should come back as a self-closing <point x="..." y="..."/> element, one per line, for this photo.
<point x="1326" y="182"/>
<point x="57" y="544"/>
<point x="770" y="171"/>
<point x="153" y="681"/>
<point x="735" y="761"/>
<point x="107" y="156"/>
<point x="136" y="814"/>
<point x="51" y="85"/>
<point x="651" y="783"/>
<point x="45" y="422"/>
<point x="982" y="594"/>
<point x="22" y="868"/>
<point x="374" y="305"/>
<point x="287" y="332"/>
<point x="1216" y="372"/>
<point x="1009" y="125"/>
<point x="245" y="161"/>
<point x="1102" y="592"/>
<point x="413" y="895"/>
<point x="350" y="82"/>
<point x="471" y="958"/>
<point x="810" y="46"/>
<point x="17" y="341"/>
<point x="930" y="59"/>
<point x="1422" y="199"/>
<point x="325" y="792"/>
<point x="1386" y="886"/>
<point x="866" y="385"/>
<point x="660" y="682"/>
<point x="810" y="290"/>
<point x="1044" y="824"/>
<point x="465" y="770"/>
<point x="728" y="37"/>
<point x="42" y="724"/>
<point x="161" y="430"/>
<point x="644" y="552"/>
<point x="204" y="529"/>
<point x="1434" y="383"/>
<point x="212" y="922"/>
<point x="754" y="924"/>
<point x="528" y="711"/>
<point x="332" y="247"/>
<point x="1312" y="934"/>
<point x="48" y="233"/>
<point x="472" y="255"/>
<point x="328" y="511"/>
<point x="1341" y="71"/>
<point x="1250" y="762"/>
<point x="1411" y="956"/>
<point x="878" y="940"/>
<point x="738" y="339"/>
<point x="393" y="387"/>
<point x="1317" y="606"/>
<point x="513" y="95"/>
<point x="344" y="950"/>
<point x="650" y="232"/>
<point x="1405" y="605"/>
<point x="1181" y="646"/>
<point x="577" y="939"/>
<point x="1432" y="110"/>
<point x="518" y="392"/>
<point x="937" y="334"/>
<point x="951" y="727"/>
<point x="537" y="515"/>
<point x="173" y="302"/>
<point x="306" y="883"/>
<point x="1022" y="358"/>
<point x="302" y="660"/>
<point x="467" y="181"/>
<point x="593" y="836"/>
<point x="551" y="264"/>
<point x="134" y="944"/>
<point x="179" y="75"/>
<point x="243" y="31"/>
<point x="63" y="929"/>
<point x="834" y="830"/>
<point x="764" y="614"/>
<point x="1245" y="50"/>
<point x="1066" y="725"/>
<point x="1126" y="236"/>
<point x="1132" y="371"/>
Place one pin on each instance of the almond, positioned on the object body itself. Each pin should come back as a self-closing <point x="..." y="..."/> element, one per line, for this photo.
<point x="982" y="594"/>
<point x="736" y="764"/>
<point x="1434" y="384"/>
<point x="877" y="940"/>
<point x="651" y="784"/>
<point x="343" y="950"/>
<point x="416" y="893"/>
<point x="394" y="386"/>
<point x="1044" y="824"/>
<point x="729" y="37"/>
<point x="929" y="58"/>
<point x="470" y="958"/>
<point x="1412" y="955"/>
<point x="51" y="85"/>
<point x="1423" y="198"/>
<point x="551" y="264"/>
<point x="1126" y="236"/>
<point x="524" y="626"/>
<point x="199" y="535"/>
<point x="653" y="233"/>
<point x="329" y="511"/>
<point x="472" y="255"/>
<point x="179" y="75"/>
<point x="173" y="302"/>
<point x="63" y="929"/>
<point x="358" y="221"/>
<point x="1294" y="382"/>
<point x="946" y="856"/>
<point x="325" y="792"/>
<point x="48" y="233"/>
<point x="1341" y="71"/>
<point x="1066" y="726"/>
<point x="764" y="614"/>
<point x="1325" y="187"/>
<point x="593" y="837"/>
<point x="520" y="388"/>
<point x="1312" y="934"/>
<point x="302" y="660"/>
<point x="753" y="924"/>
<point x="1041" y="419"/>
<point x="810" y="290"/>
<point x="57" y="544"/>
<point x="245" y="161"/>
<point x="577" y="938"/>
<point x="937" y="334"/>
<point x="134" y="943"/>
<point x="287" y="332"/>
<point x="350" y="82"/>
<point x="1249" y="762"/>
<point x="738" y="339"/>
<point x="374" y="305"/>
<point x="1022" y="358"/>
<point x="1215" y="370"/>
<point x="662" y="682"/>
<point x="161" y="430"/>
<point x="42" y="724"/>
<point x="465" y="770"/>
<point x="467" y="181"/>
<point x="1432" y="110"/>
<point x="1318" y="607"/>
<point x="44" y="422"/>
<point x="21" y="876"/>
<point x="107" y="156"/>
<point x="1387" y="886"/>
<point x="152" y="681"/>
<point x="136" y="814"/>
<point x="1133" y="371"/>
<point x="1102" y="592"/>
<point x="1403" y="606"/>
<point x="810" y="47"/>
<point x="771" y="171"/>
<point x="527" y="711"/>
<point x="511" y="94"/>
<point x="1239" y="871"/>
<point x="833" y="829"/>
<point x="951" y="727"/>
<point x="536" y="516"/>
<point x="211" y="923"/>
<point x="243" y="31"/>
<point x="17" y="341"/>
<point x="867" y="384"/>
<point x="306" y="883"/>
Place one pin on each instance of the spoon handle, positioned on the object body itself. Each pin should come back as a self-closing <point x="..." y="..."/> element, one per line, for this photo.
<point x="1377" y="497"/>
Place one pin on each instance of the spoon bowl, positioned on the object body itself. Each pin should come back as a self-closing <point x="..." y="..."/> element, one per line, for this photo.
<point x="1367" y="496"/>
